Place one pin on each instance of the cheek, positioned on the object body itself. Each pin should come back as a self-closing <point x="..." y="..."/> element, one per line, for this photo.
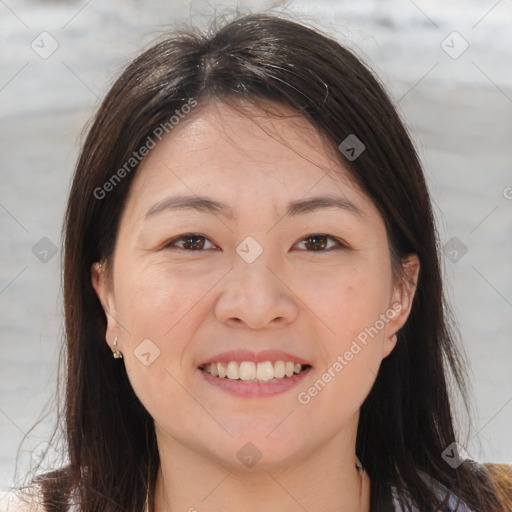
<point x="158" y="316"/>
<point x="160" y="310"/>
<point x="152" y="314"/>
<point x="158" y="303"/>
<point x="352" y="301"/>
<point x="352" y="306"/>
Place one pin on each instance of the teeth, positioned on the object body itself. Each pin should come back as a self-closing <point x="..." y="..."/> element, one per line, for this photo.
<point x="233" y="371"/>
<point x="265" y="371"/>
<point x="250" y="371"/>
<point x="247" y="370"/>
<point x="279" y="369"/>
<point x="221" y="369"/>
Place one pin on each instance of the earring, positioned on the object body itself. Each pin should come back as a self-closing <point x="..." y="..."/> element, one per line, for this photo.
<point x="100" y="267"/>
<point x="115" y="352"/>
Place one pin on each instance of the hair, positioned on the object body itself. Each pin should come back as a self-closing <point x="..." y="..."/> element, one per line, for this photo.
<point x="406" y="421"/>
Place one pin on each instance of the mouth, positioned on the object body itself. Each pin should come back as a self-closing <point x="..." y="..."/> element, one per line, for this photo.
<point x="255" y="372"/>
<point x="248" y="374"/>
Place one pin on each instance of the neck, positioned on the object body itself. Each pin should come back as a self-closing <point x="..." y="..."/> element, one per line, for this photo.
<point x="190" y="481"/>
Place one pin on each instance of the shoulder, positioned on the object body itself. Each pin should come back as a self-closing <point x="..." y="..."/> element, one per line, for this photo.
<point x="501" y="477"/>
<point x="19" y="500"/>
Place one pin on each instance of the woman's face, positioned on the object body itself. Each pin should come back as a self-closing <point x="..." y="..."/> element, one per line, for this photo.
<point x="273" y="272"/>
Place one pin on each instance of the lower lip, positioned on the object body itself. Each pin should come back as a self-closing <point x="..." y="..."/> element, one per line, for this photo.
<point x="256" y="389"/>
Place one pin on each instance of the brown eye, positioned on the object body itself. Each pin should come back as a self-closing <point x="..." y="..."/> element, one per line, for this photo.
<point x="318" y="242"/>
<point x="190" y="242"/>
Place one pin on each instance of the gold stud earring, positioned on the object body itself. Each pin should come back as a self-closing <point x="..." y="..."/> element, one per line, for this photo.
<point x="115" y="352"/>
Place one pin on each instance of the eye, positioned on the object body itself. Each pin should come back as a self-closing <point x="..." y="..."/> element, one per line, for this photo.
<point x="191" y="242"/>
<point x="318" y="242"/>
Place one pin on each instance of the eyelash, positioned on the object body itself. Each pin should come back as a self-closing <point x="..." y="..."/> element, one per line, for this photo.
<point x="171" y="243"/>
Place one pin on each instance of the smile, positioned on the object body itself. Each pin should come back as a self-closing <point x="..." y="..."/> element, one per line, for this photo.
<point x="251" y="379"/>
<point x="253" y="372"/>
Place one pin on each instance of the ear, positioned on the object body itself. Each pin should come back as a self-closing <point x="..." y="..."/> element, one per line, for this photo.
<point x="401" y="301"/>
<point x="105" y="294"/>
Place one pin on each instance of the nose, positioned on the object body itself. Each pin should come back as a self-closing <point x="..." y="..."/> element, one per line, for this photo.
<point x="255" y="295"/>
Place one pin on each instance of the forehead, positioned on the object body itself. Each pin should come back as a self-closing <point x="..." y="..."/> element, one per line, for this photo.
<point x="247" y="155"/>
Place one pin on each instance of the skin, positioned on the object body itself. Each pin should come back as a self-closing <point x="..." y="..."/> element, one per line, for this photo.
<point x="196" y="304"/>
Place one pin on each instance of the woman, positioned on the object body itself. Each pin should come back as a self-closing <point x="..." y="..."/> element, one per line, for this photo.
<point x="254" y="307"/>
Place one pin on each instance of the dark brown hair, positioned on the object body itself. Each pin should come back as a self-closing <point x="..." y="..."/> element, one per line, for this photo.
<point x="406" y="421"/>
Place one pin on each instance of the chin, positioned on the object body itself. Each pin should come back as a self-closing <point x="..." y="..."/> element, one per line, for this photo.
<point x="257" y="450"/>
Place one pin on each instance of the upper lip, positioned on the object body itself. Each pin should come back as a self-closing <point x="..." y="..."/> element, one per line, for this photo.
<point x="257" y="357"/>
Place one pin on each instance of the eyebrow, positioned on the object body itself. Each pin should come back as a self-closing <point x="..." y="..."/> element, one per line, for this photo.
<point x="210" y="206"/>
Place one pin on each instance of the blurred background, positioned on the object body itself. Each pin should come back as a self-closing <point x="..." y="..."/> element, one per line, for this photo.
<point x="448" y="68"/>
